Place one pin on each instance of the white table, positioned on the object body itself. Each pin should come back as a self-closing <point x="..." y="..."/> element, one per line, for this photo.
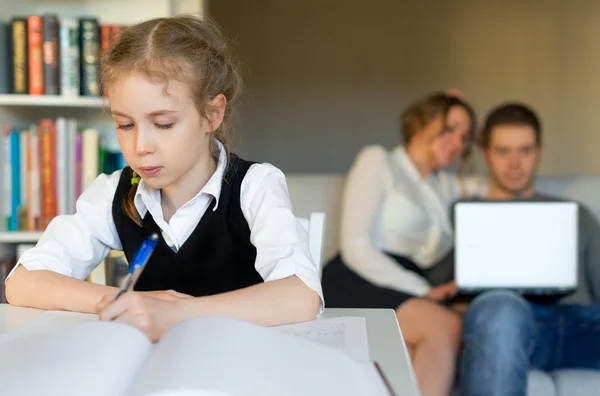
<point x="386" y="345"/>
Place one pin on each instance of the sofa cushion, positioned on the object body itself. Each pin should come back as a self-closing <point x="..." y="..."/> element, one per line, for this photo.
<point x="540" y="383"/>
<point x="323" y="193"/>
<point x="576" y="382"/>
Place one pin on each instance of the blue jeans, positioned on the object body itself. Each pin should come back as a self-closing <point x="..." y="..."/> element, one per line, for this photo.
<point x="504" y="336"/>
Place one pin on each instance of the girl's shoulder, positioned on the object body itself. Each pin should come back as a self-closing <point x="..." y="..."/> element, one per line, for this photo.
<point x="102" y="189"/>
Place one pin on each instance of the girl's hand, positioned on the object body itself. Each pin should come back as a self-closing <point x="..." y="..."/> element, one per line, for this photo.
<point x="151" y="312"/>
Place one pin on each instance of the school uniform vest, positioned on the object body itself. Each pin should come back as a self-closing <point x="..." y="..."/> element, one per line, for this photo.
<point x="218" y="255"/>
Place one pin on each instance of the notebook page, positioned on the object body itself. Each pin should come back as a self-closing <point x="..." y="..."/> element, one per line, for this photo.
<point x="49" y="321"/>
<point x="238" y="358"/>
<point x="345" y="333"/>
<point x="92" y="359"/>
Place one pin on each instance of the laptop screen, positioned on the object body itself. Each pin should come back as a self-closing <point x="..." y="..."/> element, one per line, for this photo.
<point x="516" y="245"/>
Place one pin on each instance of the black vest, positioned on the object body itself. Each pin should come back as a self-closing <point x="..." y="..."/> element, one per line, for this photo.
<point x="218" y="255"/>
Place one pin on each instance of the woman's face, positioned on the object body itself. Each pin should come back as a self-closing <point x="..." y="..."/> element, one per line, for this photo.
<point x="450" y="144"/>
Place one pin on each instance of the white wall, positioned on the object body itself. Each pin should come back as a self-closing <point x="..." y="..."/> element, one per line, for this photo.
<point x="324" y="78"/>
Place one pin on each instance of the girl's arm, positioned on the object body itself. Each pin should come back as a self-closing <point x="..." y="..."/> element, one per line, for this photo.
<point x="51" y="275"/>
<point x="50" y="290"/>
<point x="271" y="303"/>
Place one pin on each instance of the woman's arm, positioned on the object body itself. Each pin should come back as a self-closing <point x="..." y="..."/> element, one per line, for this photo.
<point x="362" y="196"/>
<point x="51" y="275"/>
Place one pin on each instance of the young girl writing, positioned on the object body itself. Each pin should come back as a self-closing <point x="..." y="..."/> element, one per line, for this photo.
<point x="229" y="243"/>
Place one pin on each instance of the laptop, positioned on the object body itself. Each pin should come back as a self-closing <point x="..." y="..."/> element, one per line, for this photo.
<point x="530" y="247"/>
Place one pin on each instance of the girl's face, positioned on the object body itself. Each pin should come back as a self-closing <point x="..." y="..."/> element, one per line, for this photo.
<point x="162" y="135"/>
<point x="451" y="143"/>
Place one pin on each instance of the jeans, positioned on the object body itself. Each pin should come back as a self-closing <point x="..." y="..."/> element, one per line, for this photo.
<point x="504" y="336"/>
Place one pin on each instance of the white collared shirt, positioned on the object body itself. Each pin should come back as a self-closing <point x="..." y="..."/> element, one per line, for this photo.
<point x="73" y="245"/>
<point x="388" y="207"/>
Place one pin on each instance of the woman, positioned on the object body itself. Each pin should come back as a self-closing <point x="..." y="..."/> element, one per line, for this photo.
<point x="396" y="227"/>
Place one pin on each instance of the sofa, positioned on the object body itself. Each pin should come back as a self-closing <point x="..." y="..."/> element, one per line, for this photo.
<point x="322" y="193"/>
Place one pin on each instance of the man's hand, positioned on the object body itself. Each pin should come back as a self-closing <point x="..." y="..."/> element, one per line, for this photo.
<point x="442" y="292"/>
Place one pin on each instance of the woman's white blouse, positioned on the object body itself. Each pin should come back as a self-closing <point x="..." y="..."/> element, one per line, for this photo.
<point x="389" y="207"/>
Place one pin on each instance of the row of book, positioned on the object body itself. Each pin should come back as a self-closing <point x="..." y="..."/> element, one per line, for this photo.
<point x="45" y="55"/>
<point x="46" y="168"/>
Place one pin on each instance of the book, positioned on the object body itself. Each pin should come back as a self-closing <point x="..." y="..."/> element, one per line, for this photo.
<point x="200" y="356"/>
<point x="69" y="57"/>
<point x="35" y="59"/>
<point x="50" y="46"/>
<point x="19" y="52"/>
<point x="89" y="51"/>
<point x="6" y="51"/>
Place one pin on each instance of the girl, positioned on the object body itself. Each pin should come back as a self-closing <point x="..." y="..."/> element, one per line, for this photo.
<point x="229" y="243"/>
<point x="396" y="228"/>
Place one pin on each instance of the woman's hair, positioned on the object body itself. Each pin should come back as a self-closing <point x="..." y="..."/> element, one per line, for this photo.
<point x="182" y="48"/>
<point x="423" y="111"/>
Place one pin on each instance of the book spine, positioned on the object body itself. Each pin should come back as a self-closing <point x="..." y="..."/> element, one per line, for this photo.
<point x="115" y="33"/>
<point x="5" y="52"/>
<point x="90" y="157"/>
<point x="36" y="62"/>
<point x="30" y="223"/>
<point x="71" y="164"/>
<point x="50" y="48"/>
<point x="69" y="57"/>
<point x="15" y="163"/>
<point x="61" y="165"/>
<point x="19" y="56"/>
<point x="48" y="203"/>
<point x="105" y="35"/>
<point x="24" y="148"/>
<point x="34" y="206"/>
<point x="89" y="33"/>
<point x="78" y="165"/>
<point x="7" y="177"/>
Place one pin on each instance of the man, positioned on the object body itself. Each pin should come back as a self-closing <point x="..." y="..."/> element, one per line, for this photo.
<point x="504" y="335"/>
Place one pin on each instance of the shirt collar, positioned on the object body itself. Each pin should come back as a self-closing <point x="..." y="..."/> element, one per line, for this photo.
<point x="401" y="157"/>
<point x="146" y="197"/>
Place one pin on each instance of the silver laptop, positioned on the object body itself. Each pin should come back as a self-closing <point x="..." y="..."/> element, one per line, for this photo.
<point x="526" y="246"/>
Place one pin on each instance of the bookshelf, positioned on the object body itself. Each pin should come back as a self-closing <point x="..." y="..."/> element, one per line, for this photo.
<point x="27" y="109"/>
<point x="19" y="237"/>
<point x="52" y="101"/>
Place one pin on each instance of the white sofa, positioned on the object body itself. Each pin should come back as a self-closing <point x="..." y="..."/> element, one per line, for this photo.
<point x="322" y="193"/>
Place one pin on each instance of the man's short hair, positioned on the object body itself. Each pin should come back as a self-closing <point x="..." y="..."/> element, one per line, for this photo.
<point x="510" y="114"/>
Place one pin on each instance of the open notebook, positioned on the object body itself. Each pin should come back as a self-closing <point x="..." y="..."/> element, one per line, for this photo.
<point x="202" y="357"/>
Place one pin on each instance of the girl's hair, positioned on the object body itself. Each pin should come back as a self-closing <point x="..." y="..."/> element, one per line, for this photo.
<point x="182" y="48"/>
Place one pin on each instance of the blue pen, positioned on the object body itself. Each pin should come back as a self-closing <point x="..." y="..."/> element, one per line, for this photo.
<point x="138" y="264"/>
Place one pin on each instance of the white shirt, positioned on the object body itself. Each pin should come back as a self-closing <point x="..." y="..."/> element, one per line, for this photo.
<point x="389" y="207"/>
<point x="73" y="245"/>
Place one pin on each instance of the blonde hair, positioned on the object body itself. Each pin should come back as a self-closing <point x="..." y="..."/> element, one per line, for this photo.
<point x="182" y="48"/>
<point x="423" y="111"/>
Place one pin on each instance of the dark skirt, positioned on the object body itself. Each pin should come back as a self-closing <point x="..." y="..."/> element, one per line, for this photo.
<point x="344" y="288"/>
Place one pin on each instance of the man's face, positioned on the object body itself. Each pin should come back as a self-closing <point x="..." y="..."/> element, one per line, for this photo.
<point x="512" y="157"/>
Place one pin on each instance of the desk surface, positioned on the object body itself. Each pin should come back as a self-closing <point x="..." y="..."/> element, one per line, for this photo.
<point x="386" y="345"/>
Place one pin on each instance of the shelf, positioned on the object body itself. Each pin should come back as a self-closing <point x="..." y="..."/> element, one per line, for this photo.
<point x="19" y="237"/>
<point x="52" y="101"/>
